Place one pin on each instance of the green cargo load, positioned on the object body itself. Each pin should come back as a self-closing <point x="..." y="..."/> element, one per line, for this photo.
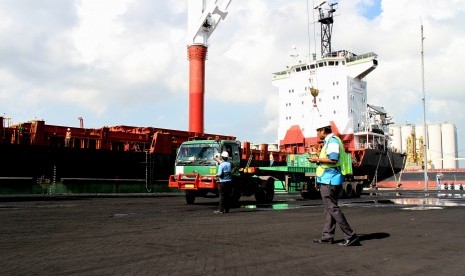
<point x="300" y="160"/>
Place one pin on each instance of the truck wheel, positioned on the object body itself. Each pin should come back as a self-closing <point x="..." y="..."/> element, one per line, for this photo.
<point x="348" y="190"/>
<point x="310" y="193"/>
<point x="265" y="191"/>
<point x="236" y="195"/>
<point x="358" y="189"/>
<point x="190" y="197"/>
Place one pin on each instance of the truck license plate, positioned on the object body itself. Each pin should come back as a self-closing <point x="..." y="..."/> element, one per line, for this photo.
<point x="189" y="186"/>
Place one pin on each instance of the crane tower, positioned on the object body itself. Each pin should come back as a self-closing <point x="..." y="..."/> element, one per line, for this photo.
<point x="203" y="18"/>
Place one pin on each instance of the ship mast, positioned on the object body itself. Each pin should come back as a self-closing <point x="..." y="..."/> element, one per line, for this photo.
<point x="326" y="20"/>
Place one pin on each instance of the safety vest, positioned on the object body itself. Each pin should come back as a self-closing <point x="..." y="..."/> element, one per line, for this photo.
<point x="344" y="161"/>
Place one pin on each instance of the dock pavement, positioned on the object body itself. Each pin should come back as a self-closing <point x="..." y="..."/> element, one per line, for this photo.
<point x="159" y="234"/>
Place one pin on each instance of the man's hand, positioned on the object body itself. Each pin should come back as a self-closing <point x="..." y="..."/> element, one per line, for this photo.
<point x="313" y="159"/>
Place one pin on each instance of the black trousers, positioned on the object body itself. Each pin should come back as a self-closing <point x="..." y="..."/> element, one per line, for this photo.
<point x="225" y="191"/>
<point x="333" y="214"/>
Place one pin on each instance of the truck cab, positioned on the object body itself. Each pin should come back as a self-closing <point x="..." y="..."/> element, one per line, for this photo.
<point x="196" y="169"/>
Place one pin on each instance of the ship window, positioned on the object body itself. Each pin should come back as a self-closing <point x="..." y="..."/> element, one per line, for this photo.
<point x="321" y="64"/>
<point x="343" y="62"/>
<point x="312" y="66"/>
<point x="308" y="67"/>
<point x="302" y="102"/>
<point x="334" y="112"/>
<point x="297" y="69"/>
<point x="304" y="68"/>
<point x="337" y="63"/>
<point x="331" y="63"/>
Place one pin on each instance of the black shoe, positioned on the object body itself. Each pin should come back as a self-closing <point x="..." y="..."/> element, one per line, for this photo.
<point x="350" y="242"/>
<point x="218" y="212"/>
<point x="322" y="241"/>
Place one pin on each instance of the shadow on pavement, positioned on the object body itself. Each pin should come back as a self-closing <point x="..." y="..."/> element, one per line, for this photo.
<point x="373" y="236"/>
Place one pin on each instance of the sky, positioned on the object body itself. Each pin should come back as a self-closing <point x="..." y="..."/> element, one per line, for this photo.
<point x="124" y="62"/>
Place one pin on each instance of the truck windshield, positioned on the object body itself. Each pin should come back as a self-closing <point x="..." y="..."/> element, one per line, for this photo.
<point x="197" y="153"/>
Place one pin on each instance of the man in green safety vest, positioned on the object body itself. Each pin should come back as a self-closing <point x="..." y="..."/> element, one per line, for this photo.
<point x="330" y="179"/>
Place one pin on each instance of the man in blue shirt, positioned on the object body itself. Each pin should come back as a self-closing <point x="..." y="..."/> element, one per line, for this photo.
<point x="225" y="183"/>
<point x="330" y="179"/>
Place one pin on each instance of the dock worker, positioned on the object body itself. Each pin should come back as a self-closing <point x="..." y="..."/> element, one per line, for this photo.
<point x="67" y="137"/>
<point x="225" y="183"/>
<point x="330" y="179"/>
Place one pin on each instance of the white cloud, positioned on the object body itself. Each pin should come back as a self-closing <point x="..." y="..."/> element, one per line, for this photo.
<point x="125" y="61"/>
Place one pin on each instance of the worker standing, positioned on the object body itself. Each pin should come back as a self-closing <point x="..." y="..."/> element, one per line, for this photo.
<point x="67" y="137"/>
<point x="330" y="178"/>
<point x="225" y="183"/>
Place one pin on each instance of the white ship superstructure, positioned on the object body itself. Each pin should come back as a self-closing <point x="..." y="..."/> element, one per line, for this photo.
<point x="339" y="78"/>
<point x="333" y="89"/>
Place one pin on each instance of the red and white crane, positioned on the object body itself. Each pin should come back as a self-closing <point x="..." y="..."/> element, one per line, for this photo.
<point x="203" y="18"/>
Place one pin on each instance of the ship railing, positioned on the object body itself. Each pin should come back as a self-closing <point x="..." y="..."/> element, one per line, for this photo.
<point x="370" y="146"/>
<point x="363" y="56"/>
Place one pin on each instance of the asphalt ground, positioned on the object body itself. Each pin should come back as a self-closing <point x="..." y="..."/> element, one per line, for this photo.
<point x="408" y="234"/>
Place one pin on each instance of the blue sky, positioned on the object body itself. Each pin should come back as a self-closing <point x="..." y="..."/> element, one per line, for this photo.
<point x="370" y="9"/>
<point x="124" y="62"/>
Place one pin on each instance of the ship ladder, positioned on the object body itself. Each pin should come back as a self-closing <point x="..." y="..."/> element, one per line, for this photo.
<point x="249" y="161"/>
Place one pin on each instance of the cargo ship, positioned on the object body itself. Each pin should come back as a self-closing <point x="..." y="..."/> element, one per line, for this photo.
<point x="34" y="153"/>
<point x="436" y="179"/>
<point x="333" y="88"/>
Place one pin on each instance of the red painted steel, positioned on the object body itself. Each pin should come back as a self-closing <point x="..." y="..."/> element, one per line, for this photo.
<point x="197" y="56"/>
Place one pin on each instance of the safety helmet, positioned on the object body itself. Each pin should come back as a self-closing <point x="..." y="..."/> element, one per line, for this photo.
<point x="225" y="154"/>
<point x="322" y="124"/>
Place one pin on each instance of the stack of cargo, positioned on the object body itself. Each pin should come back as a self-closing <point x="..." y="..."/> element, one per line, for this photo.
<point x="299" y="163"/>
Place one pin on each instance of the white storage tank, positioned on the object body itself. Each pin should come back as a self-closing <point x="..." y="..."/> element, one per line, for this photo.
<point x="449" y="143"/>
<point x="396" y="137"/>
<point x="435" y="146"/>
<point x="405" y="132"/>
<point x="419" y="133"/>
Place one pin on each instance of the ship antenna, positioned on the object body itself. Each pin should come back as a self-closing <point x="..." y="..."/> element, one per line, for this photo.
<point x="326" y="20"/>
<point x="425" y="133"/>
